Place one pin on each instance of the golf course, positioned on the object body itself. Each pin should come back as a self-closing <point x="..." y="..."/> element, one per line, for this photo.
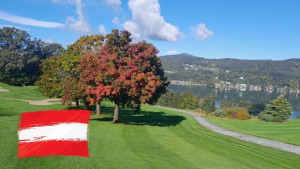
<point x="155" y="138"/>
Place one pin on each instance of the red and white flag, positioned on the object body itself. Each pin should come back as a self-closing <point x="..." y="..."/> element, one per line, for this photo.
<point x="50" y="133"/>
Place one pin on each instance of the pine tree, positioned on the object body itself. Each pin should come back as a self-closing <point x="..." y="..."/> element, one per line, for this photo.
<point x="280" y="107"/>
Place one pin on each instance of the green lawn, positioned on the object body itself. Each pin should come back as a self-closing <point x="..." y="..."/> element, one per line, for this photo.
<point x="288" y="132"/>
<point x="155" y="138"/>
<point x="27" y="93"/>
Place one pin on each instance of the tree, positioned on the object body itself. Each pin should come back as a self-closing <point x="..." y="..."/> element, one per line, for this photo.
<point x="177" y="100"/>
<point x="280" y="107"/>
<point x="189" y="103"/>
<point x="256" y="109"/>
<point x="61" y="74"/>
<point x="225" y="103"/>
<point x="127" y="74"/>
<point x="208" y="104"/>
<point x="50" y="83"/>
<point x="244" y="103"/>
<point x="20" y="56"/>
<point x="100" y="70"/>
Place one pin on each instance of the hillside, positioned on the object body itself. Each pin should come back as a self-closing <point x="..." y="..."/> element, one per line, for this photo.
<point x="186" y="67"/>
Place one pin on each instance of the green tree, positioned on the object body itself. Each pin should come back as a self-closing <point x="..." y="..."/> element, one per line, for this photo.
<point x="20" y="56"/>
<point x="177" y="100"/>
<point x="256" y="109"/>
<point x="280" y="107"/>
<point x="190" y="103"/>
<point x="50" y="82"/>
<point x="244" y="103"/>
<point x="61" y="74"/>
<point x="208" y="104"/>
<point x="225" y="103"/>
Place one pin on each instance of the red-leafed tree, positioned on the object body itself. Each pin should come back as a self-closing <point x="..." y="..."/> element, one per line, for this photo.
<point x="99" y="70"/>
<point x="125" y="74"/>
<point x="142" y="74"/>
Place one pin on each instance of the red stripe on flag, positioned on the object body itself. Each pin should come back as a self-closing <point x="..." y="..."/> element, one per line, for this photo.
<point x="53" y="148"/>
<point x="32" y="123"/>
<point x="42" y="118"/>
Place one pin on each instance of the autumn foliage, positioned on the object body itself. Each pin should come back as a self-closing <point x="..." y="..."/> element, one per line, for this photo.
<point x="61" y="74"/>
<point x="127" y="74"/>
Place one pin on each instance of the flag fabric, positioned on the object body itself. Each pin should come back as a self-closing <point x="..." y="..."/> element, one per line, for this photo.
<point x="51" y="133"/>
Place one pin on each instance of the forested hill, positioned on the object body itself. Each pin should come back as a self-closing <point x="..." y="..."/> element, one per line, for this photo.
<point x="186" y="67"/>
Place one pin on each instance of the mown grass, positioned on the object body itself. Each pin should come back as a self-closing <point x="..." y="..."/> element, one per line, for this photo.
<point x="155" y="138"/>
<point x="288" y="132"/>
<point x="27" y="93"/>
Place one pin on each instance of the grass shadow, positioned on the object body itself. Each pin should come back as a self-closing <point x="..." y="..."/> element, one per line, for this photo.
<point x="127" y="116"/>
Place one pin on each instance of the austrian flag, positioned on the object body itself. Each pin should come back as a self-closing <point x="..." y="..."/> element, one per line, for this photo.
<point x="50" y="133"/>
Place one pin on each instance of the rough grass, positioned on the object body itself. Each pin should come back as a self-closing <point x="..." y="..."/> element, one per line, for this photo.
<point x="288" y="132"/>
<point x="155" y="138"/>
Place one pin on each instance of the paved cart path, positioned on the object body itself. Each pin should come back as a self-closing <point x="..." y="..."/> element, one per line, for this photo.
<point x="245" y="137"/>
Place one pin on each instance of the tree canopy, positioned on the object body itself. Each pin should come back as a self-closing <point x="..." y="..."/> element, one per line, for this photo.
<point x="280" y="107"/>
<point x="20" y="56"/>
<point x="61" y="74"/>
<point x="127" y="74"/>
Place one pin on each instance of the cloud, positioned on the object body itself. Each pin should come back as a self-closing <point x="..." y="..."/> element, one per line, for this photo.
<point x="49" y="41"/>
<point x="116" y="21"/>
<point x="133" y="28"/>
<point x="116" y="4"/>
<point x="201" y="32"/>
<point x="148" y="22"/>
<point x="172" y="52"/>
<point x="28" y="21"/>
<point x="102" y="30"/>
<point x="80" y="25"/>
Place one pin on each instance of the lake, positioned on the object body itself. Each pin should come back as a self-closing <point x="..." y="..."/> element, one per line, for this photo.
<point x="236" y="95"/>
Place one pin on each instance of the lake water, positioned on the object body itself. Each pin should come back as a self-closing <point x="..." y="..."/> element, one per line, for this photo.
<point x="236" y="95"/>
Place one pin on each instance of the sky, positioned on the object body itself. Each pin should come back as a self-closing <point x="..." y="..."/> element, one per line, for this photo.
<point x="243" y="29"/>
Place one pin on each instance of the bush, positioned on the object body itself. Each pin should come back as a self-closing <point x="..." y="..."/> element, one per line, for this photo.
<point x="230" y="111"/>
<point x="261" y="114"/>
<point x="277" y="119"/>
<point x="220" y="113"/>
<point x="233" y="115"/>
<point x="267" y="117"/>
<point x="243" y="115"/>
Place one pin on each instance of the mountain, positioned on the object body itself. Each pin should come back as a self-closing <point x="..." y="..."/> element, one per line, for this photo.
<point x="187" y="67"/>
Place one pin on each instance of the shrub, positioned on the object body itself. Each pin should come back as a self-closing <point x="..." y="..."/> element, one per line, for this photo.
<point x="220" y="113"/>
<point x="233" y="115"/>
<point x="277" y="119"/>
<point x="243" y="115"/>
<point x="230" y="111"/>
<point x="261" y="114"/>
<point x="267" y="117"/>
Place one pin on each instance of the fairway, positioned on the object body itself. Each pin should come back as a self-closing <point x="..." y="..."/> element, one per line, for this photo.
<point x="155" y="138"/>
<point x="288" y="132"/>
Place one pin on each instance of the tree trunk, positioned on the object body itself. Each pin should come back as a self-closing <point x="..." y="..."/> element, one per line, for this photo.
<point x="77" y="103"/>
<point x="98" y="108"/>
<point x="116" y="114"/>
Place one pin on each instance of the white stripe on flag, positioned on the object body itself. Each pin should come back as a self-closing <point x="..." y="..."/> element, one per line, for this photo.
<point x="62" y="131"/>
